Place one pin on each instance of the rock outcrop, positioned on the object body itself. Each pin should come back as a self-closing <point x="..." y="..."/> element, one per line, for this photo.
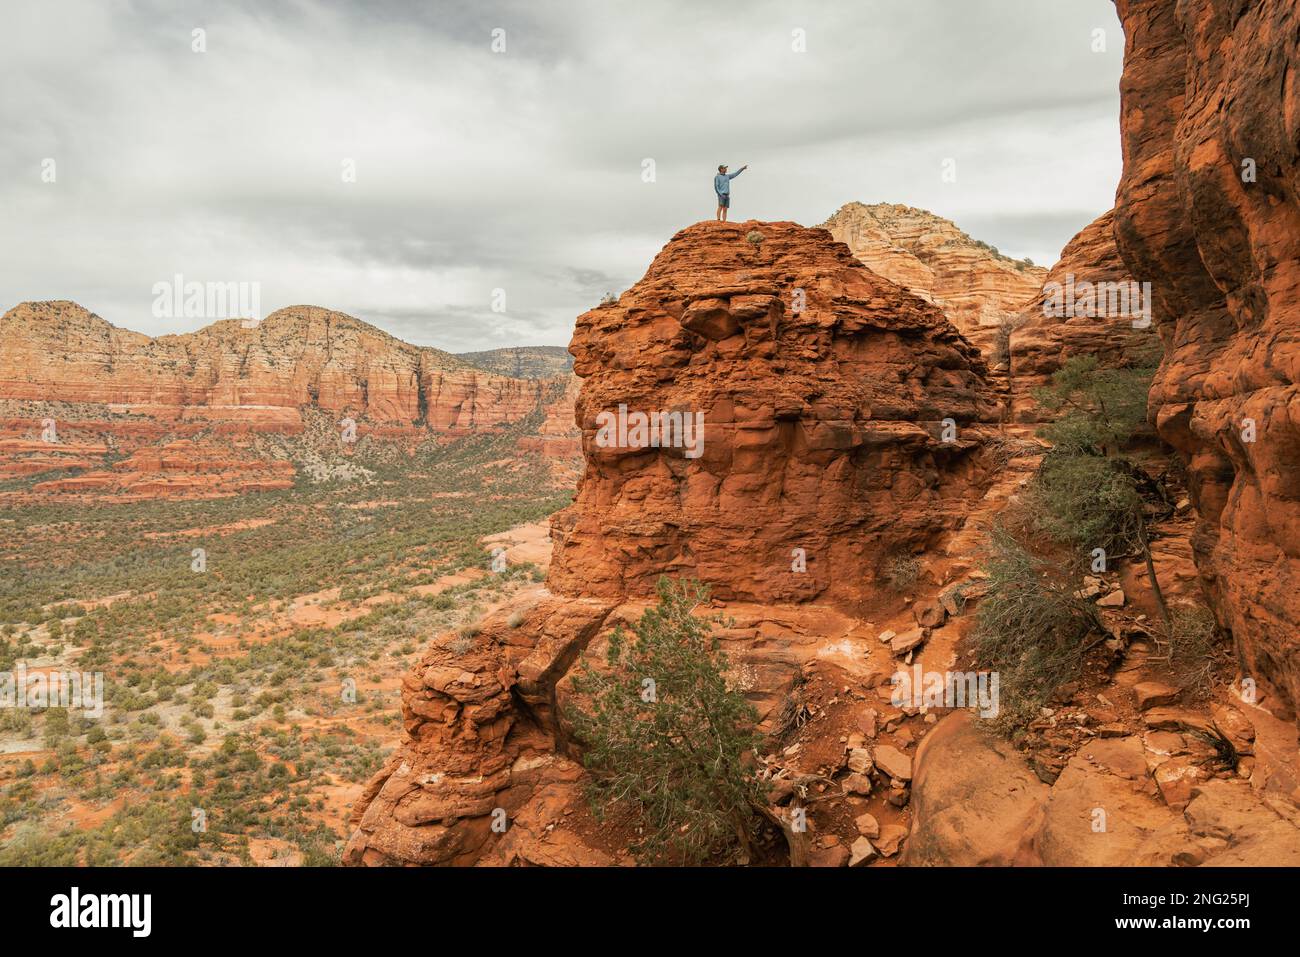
<point x="1089" y="305"/>
<point x="979" y="289"/>
<point x="1208" y="211"/>
<point x="976" y="802"/>
<point x="823" y="389"/>
<point x="835" y="416"/>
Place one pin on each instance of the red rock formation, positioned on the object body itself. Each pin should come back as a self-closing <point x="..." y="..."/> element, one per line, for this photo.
<point x="300" y="356"/>
<point x="100" y="383"/>
<point x="557" y="437"/>
<point x="473" y="743"/>
<point x="180" y="469"/>
<point x="821" y="432"/>
<point x="1050" y="330"/>
<point x="977" y="288"/>
<point x="977" y="803"/>
<point x="1208" y="211"/>
<point x="822" y="425"/>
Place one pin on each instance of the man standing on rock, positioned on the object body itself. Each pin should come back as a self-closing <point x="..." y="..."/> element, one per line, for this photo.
<point x="722" y="186"/>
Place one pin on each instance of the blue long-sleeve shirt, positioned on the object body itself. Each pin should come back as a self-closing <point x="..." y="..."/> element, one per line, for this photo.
<point x="722" y="182"/>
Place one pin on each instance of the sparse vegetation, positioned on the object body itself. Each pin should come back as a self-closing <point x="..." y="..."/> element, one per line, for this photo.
<point x="1193" y="647"/>
<point x="1089" y="503"/>
<point x="902" y="571"/>
<point x="214" y="689"/>
<point x="663" y="732"/>
<point x="1030" y="627"/>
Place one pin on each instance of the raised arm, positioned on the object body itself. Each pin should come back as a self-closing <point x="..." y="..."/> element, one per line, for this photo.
<point x="738" y="172"/>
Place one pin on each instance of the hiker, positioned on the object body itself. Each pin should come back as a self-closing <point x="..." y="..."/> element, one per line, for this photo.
<point x="722" y="186"/>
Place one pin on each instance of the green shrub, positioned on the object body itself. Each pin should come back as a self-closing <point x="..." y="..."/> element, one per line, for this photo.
<point x="1030" y="627"/>
<point x="666" y="734"/>
<point x="1085" y="500"/>
<point x="1103" y="408"/>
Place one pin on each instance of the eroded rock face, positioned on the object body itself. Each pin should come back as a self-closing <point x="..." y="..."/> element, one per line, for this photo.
<point x="557" y="438"/>
<point x="215" y="390"/>
<point x="1094" y="320"/>
<point x="822" y="431"/>
<point x="476" y="715"/>
<point x="821" y="390"/>
<point x="1211" y="90"/>
<point x="975" y="286"/>
<point x="302" y="355"/>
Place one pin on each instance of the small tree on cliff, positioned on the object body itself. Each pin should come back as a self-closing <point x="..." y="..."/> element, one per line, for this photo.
<point x="1088" y="492"/>
<point x="666" y="734"/>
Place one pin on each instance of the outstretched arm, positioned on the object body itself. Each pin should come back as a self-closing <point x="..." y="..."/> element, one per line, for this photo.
<point x="738" y="172"/>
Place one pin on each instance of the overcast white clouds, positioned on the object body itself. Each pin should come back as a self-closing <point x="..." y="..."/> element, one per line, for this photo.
<point x="519" y="170"/>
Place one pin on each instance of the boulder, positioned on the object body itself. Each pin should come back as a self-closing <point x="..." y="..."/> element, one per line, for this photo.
<point x="975" y="802"/>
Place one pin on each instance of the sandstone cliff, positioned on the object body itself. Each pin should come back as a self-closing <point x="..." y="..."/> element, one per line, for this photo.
<point x="822" y="392"/>
<point x="822" y="389"/>
<point x="1101" y="317"/>
<point x="976" y="287"/>
<point x="1208" y="210"/>
<point x="302" y="355"/>
<point x="108" y="390"/>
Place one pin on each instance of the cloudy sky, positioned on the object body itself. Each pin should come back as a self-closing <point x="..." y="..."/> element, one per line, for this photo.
<point x="518" y="169"/>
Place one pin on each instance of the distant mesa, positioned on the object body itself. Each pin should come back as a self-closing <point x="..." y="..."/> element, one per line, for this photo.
<point x="523" y="362"/>
<point x="105" y="386"/>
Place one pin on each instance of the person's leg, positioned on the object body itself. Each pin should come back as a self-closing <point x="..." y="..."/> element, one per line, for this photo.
<point x="718" y="214"/>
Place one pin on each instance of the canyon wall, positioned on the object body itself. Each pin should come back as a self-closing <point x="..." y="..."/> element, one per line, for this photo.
<point x="1208" y="210"/>
<point x="1052" y="329"/>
